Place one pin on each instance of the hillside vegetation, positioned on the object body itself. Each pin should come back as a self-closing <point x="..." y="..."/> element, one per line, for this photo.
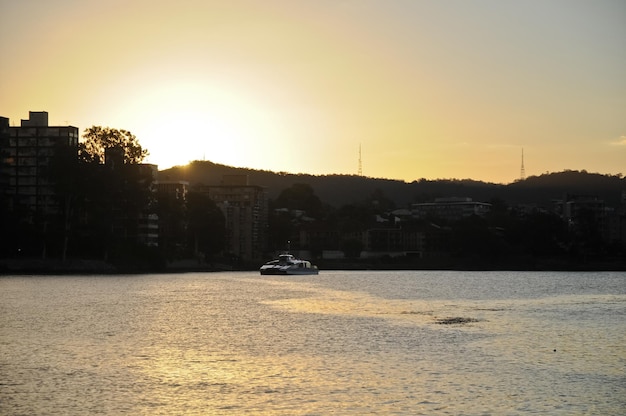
<point x="339" y="190"/>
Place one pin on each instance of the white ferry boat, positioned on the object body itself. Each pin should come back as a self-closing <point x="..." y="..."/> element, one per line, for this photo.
<point x="288" y="264"/>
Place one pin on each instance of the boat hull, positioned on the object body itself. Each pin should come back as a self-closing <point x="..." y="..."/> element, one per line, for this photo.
<point x="288" y="271"/>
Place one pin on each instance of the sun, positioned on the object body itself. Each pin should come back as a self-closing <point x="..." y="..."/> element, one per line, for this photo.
<point x="190" y="121"/>
<point x="177" y="137"/>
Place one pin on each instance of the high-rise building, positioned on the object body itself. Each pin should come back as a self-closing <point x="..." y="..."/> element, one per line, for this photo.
<point x="147" y="221"/>
<point x="245" y="209"/>
<point x="27" y="152"/>
<point x="4" y="160"/>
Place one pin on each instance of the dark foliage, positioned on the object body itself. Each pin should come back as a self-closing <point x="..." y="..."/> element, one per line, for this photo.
<point x="206" y="229"/>
<point x="99" y="139"/>
<point x="522" y="230"/>
<point x="300" y="196"/>
<point x="338" y="190"/>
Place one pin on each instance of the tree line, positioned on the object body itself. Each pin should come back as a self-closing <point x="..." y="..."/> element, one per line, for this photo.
<point x="338" y="190"/>
<point x="108" y="209"/>
<point x="107" y="202"/>
<point x="507" y="236"/>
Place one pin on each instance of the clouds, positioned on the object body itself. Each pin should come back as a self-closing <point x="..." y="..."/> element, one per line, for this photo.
<point x="621" y="141"/>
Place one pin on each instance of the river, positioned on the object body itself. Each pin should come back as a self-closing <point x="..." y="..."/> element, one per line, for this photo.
<point x="342" y="342"/>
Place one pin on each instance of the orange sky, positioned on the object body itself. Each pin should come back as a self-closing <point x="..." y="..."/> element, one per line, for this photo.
<point x="428" y="89"/>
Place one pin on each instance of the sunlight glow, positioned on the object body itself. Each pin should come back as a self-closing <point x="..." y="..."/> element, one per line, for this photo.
<point x="428" y="88"/>
<point x="186" y="121"/>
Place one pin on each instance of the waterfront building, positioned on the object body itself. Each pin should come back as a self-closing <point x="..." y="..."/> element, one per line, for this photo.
<point x="5" y="136"/>
<point x="245" y="209"/>
<point x="27" y="154"/>
<point x="450" y="209"/>
<point x="147" y="221"/>
<point x="393" y="242"/>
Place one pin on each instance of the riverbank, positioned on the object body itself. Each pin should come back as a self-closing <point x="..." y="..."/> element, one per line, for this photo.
<point x="38" y="266"/>
<point x="55" y="266"/>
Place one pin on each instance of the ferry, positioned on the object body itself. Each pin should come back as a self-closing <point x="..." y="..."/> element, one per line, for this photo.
<point x="288" y="264"/>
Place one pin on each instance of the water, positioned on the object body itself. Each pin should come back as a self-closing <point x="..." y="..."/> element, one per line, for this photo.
<point x="449" y="343"/>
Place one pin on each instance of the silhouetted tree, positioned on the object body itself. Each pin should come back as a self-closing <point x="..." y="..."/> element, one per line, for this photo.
<point x="471" y="236"/>
<point x="539" y="233"/>
<point x="281" y="230"/>
<point x="380" y="202"/>
<point x="300" y="196"/>
<point x="353" y="218"/>
<point x="99" y="139"/>
<point x="587" y="234"/>
<point x="172" y="211"/>
<point x="114" y="197"/>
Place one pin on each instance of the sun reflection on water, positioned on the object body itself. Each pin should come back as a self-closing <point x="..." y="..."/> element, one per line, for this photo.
<point x="237" y="344"/>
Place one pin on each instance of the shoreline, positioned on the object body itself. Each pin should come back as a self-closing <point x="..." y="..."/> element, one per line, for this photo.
<point x="89" y="266"/>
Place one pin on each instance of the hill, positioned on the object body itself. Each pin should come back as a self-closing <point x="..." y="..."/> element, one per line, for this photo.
<point x="338" y="190"/>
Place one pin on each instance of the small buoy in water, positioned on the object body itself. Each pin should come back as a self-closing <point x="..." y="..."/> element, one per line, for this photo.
<point x="555" y="350"/>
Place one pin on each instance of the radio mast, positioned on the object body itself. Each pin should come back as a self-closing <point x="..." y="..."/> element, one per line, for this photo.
<point x="360" y="173"/>
<point x="522" y="171"/>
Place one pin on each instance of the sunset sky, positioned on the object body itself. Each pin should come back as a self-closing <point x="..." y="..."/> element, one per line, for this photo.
<point x="428" y="89"/>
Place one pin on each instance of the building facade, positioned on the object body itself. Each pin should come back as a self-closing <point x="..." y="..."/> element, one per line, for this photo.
<point x="147" y="217"/>
<point x="5" y="136"/>
<point x="450" y="209"/>
<point x="245" y="209"/>
<point x="393" y="241"/>
<point x="28" y="152"/>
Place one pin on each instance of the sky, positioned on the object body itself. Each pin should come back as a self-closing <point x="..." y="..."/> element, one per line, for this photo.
<point x="403" y="89"/>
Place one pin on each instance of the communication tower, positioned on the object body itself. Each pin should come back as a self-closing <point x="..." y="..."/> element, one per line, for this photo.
<point x="522" y="170"/>
<point x="360" y="162"/>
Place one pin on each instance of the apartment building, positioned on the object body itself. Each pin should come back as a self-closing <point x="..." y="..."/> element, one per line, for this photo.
<point x="245" y="209"/>
<point x="5" y="136"/>
<point x="27" y="152"/>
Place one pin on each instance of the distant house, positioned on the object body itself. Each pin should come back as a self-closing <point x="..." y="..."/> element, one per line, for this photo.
<point x="393" y="241"/>
<point x="450" y="209"/>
